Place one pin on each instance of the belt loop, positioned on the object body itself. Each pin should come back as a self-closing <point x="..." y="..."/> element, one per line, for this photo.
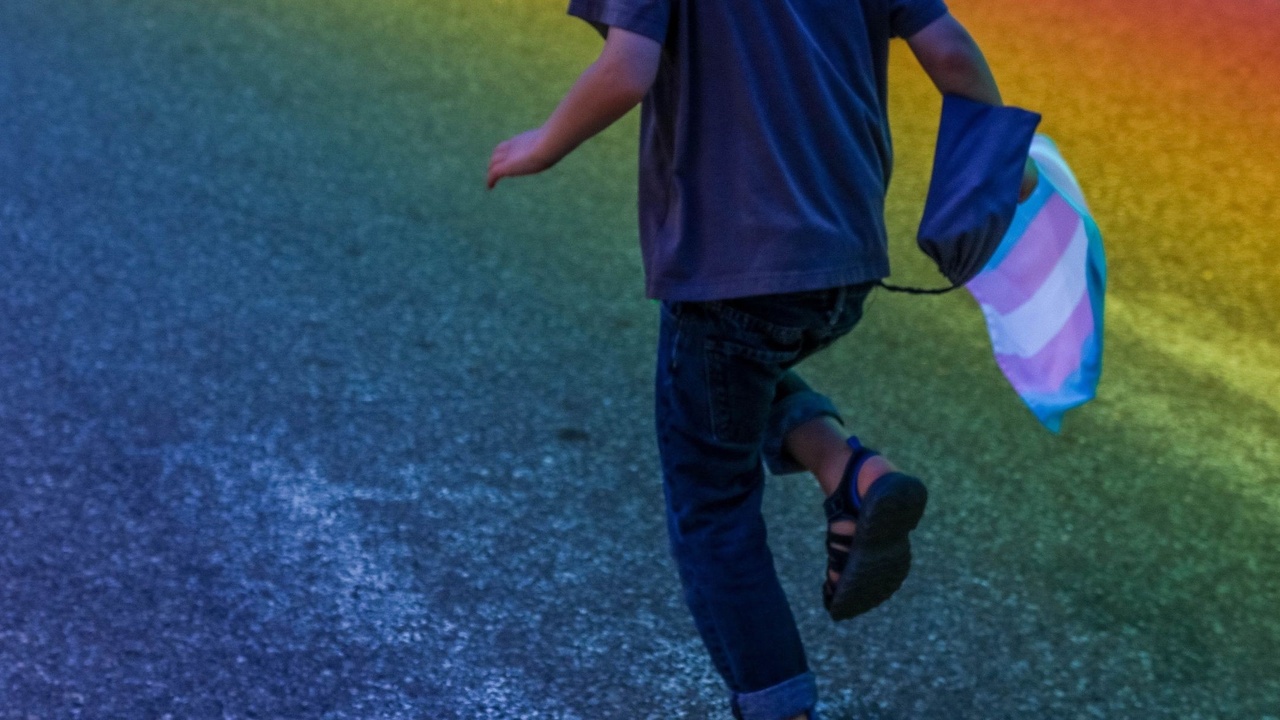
<point x="837" y="307"/>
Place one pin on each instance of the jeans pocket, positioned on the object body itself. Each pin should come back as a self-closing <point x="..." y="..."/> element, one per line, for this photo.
<point x="742" y="380"/>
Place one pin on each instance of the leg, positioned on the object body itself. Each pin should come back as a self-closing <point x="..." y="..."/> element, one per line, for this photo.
<point x="870" y="515"/>
<point x="805" y="433"/>
<point x="819" y="445"/>
<point x="713" y="483"/>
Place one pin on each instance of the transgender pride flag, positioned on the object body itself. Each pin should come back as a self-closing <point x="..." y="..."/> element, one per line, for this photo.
<point x="1042" y="293"/>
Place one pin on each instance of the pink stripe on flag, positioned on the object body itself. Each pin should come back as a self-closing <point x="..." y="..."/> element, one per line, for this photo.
<point x="1047" y="370"/>
<point x="1032" y="259"/>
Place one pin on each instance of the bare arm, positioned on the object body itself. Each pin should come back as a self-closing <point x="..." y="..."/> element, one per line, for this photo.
<point x="954" y="62"/>
<point x="615" y="83"/>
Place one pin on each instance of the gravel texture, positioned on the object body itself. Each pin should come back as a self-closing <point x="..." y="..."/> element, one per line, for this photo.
<point x="297" y="422"/>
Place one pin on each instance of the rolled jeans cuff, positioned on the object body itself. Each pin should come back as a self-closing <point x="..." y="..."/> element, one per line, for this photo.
<point x="786" y="415"/>
<point x="781" y="702"/>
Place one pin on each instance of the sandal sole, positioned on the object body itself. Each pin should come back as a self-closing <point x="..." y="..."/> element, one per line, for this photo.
<point x="880" y="553"/>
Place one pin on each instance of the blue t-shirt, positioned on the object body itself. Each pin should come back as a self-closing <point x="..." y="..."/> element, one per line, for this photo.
<point x="764" y="151"/>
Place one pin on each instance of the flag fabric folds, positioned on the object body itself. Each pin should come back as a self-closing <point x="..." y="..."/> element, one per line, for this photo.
<point x="1042" y="293"/>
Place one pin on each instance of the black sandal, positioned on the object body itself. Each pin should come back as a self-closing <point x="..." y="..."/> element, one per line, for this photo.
<point x="875" y="559"/>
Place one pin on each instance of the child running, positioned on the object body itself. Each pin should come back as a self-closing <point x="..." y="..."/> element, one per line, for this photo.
<point x="764" y="159"/>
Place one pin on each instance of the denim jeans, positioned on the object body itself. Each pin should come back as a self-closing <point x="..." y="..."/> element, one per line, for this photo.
<point x="726" y="395"/>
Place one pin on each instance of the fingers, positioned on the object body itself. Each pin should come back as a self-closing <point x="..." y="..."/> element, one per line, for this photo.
<point x="496" y="163"/>
<point x="514" y="157"/>
<point x="497" y="171"/>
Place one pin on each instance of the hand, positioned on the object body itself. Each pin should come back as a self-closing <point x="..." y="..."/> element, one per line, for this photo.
<point x="521" y="155"/>
<point x="1030" y="178"/>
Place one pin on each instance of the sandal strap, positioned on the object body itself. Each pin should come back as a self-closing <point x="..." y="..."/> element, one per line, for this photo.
<point x="838" y="548"/>
<point x="844" y="503"/>
<point x="836" y="560"/>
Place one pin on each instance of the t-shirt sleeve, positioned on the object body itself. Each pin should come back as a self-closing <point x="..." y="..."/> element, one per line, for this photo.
<point x="644" y="17"/>
<point x="908" y="17"/>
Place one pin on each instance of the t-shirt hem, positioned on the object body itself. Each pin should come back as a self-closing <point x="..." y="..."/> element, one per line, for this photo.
<point x="769" y="284"/>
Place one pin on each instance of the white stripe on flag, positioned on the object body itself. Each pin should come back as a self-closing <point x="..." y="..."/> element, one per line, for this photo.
<point x="1026" y="330"/>
<point x="1055" y="166"/>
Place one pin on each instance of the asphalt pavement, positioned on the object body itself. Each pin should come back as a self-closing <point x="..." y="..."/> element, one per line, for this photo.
<point x="298" y="422"/>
